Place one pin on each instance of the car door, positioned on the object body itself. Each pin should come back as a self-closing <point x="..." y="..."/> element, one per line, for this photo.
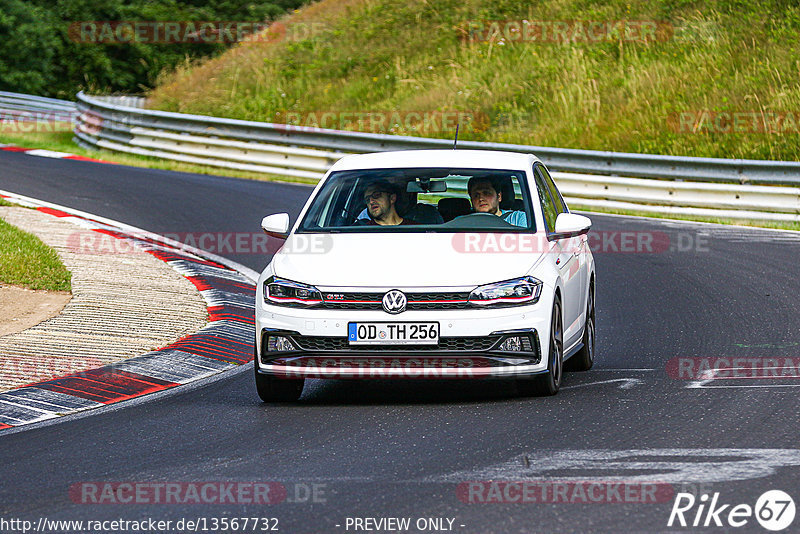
<point x="579" y="245"/>
<point x="568" y="257"/>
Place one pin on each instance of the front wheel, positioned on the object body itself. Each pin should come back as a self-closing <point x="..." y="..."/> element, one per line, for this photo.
<point x="549" y="383"/>
<point x="277" y="389"/>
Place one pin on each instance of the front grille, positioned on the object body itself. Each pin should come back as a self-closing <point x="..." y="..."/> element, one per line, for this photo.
<point x="416" y="301"/>
<point x="437" y="305"/>
<point x="318" y="343"/>
<point x="353" y="305"/>
<point x="432" y="297"/>
<point x="467" y="343"/>
<point x="454" y="344"/>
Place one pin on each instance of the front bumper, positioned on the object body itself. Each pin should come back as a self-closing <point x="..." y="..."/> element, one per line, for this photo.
<point x="330" y="356"/>
<point x="444" y="368"/>
<point x="468" y="346"/>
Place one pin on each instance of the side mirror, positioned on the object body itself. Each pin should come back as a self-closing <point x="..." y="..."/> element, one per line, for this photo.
<point x="570" y="225"/>
<point x="276" y="225"/>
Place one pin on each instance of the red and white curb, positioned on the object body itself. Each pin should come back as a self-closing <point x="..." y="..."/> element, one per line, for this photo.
<point x="41" y="152"/>
<point x="224" y="343"/>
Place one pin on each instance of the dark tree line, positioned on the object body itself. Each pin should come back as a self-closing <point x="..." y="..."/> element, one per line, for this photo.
<point x="42" y="53"/>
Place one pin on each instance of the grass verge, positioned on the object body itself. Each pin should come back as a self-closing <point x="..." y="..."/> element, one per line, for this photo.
<point x="26" y="261"/>
<point x="719" y="78"/>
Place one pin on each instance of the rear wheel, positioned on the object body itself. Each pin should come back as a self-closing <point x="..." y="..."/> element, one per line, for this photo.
<point x="584" y="358"/>
<point x="549" y="383"/>
<point x="277" y="389"/>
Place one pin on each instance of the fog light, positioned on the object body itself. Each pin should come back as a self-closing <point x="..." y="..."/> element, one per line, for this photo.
<point x="279" y="344"/>
<point x="516" y="344"/>
<point x="511" y="344"/>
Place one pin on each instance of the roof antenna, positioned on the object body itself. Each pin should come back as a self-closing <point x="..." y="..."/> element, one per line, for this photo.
<point x="455" y="142"/>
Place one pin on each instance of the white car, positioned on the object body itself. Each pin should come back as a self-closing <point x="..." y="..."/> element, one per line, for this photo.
<point x="427" y="264"/>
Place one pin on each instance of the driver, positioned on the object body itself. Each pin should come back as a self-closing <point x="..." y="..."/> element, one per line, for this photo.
<point x="381" y="199"/>
<point x="486" y="197"/>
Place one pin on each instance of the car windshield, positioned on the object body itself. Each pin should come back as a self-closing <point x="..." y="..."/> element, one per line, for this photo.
<point x="414" y="200"/>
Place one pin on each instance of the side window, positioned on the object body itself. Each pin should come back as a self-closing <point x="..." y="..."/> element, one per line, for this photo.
<point x="548" y="207"/>
<point x="561" y="207"/>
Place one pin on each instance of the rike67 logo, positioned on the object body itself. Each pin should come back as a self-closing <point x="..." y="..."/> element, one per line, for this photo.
<point x="774" y="510"/>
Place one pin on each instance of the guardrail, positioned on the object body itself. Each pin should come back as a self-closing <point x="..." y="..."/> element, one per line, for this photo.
<point x="736" y="189"/>
<point x="29" y="107"/>
<point x="658" y="184"/>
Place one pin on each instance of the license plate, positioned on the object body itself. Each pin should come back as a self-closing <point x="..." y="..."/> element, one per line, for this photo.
<point x="393" y="333"/>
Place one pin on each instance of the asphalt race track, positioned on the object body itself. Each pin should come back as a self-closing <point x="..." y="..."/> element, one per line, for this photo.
<point x="405" y="449"/>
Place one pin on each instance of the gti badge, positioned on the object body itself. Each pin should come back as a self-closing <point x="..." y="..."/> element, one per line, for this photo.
<point x="394" y="301"/>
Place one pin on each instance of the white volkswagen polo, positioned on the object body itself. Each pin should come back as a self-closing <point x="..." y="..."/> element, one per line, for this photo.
<point x="427" y="264"/>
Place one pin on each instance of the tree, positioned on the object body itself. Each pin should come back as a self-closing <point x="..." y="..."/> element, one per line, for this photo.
<point x="43" y="54"/>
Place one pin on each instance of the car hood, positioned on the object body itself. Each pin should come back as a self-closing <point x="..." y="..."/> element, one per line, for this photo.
<point x="402" y="260"/>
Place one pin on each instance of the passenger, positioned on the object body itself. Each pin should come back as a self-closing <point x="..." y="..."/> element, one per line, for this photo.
<point x="381" y="199"/>
<point x="486" y="198"/>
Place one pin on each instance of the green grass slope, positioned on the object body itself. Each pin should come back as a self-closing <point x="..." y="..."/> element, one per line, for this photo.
<point x="27" y="262"/>
<point x="619" y="93"/>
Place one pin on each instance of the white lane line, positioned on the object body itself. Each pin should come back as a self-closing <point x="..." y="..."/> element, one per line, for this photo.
<point x="618" y="370"/>
<point x="711" y="375"/>
<point x="627" y="383"/>
<point x="747" y="386"/>
<point x="48" y="153"/>
<point x="676" y="466"/>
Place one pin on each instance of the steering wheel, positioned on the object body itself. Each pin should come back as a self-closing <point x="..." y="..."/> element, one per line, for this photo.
<point x="478" y="214"/>
<point x="479" y="219"/>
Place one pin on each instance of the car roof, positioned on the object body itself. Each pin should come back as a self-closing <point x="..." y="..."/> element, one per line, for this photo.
<point x="462" y="159"/>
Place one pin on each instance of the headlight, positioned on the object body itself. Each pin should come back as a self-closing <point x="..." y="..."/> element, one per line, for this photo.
<point x="287" y="293"/>
<point x="525" y="290"/>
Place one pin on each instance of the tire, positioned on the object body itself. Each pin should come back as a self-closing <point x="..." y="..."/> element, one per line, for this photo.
<point x="277" y="389"/>
<point x="584" y="358"/>
<point x="548" y="384"/>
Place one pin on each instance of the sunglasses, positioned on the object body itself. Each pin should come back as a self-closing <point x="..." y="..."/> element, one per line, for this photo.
<point x="375" y="196"/>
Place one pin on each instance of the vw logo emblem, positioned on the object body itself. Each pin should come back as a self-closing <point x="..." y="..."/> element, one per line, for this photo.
<point x="394" y="301"/>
